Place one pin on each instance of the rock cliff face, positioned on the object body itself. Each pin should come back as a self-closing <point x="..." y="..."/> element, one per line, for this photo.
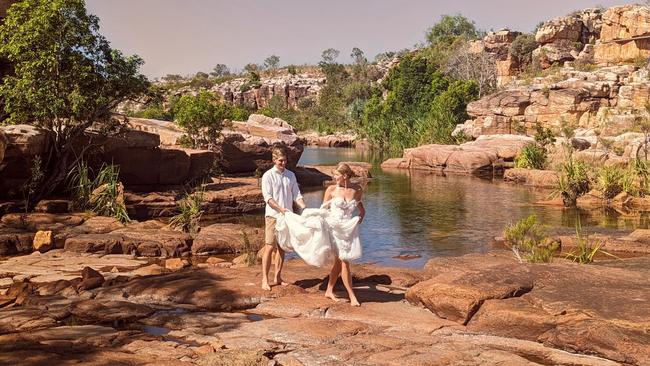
<point x="498" y="44"/>
<point x="564" y="39"/>
<point x="625" y="35"/>
<point x="291" y="89"/>
<point x="610" y="100"/>
<point x="144" y="165"/>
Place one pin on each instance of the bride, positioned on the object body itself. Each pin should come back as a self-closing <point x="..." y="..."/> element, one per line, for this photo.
<point x="319" y="236"/>
<point x="342" y="198"/>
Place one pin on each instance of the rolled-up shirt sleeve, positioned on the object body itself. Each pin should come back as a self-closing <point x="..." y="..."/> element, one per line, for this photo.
<point x="267" y="190"/>
<point x="295" y="190"/>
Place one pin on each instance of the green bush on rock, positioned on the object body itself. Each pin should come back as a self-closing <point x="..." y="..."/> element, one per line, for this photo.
<point x="531" y="157"/>
<point x="103" y="195"/>
<point x="190" y="207"/>
<point x="529" y="241"/>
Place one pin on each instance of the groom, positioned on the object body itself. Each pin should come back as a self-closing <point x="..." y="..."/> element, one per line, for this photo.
<point x="280" y="190"/>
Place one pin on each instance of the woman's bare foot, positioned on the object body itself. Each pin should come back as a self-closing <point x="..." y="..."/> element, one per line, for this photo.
<point x="330" y="295"/>
<point x="278" y="281"/>
<point x="265" y="286"/>
<point x="354" y="302"/>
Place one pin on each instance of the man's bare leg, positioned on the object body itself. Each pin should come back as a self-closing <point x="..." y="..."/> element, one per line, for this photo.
<point x="266" y="266"/>
<point x="347" y="281"/>
<point x="334" y="276"/>
<point x="279" y="263"/>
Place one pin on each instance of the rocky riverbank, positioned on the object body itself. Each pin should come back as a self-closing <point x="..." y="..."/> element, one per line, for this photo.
<point x="470" y="310"/>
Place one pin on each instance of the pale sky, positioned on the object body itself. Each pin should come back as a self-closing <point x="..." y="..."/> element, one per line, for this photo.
<point x="186" y="36"/>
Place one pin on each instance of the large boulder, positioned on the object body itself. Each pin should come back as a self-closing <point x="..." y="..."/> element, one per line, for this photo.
<point x="23" y="145"/>
<point x="591" y="309"/>
<point x="227" y="239"/>
<point x="533" y="177"/>
<point x="247" y="147"/>
<point x="242" y="153"/>
<point x="481" y="157"/>
<point x="3" y="146"/>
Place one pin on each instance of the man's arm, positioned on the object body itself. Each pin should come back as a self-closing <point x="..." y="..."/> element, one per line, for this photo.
<point x="274" y="205"/>
<point x="297" y="196"/>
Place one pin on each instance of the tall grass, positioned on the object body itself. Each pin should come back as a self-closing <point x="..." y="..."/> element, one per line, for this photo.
<point x="36" y="176"/>
<point x="529" y="241"/>
<point x="103" y="195"/>
<point x="586" y="249"/>
<point x="80" y="184"/>
<point x="249" y="250"/>
<point x="574" y="181"/>
<point x="190" y="212"/>
<point x="107" y="199"/>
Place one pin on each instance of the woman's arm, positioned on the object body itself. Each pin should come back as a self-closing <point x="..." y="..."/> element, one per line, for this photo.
<point x="358" y="195"/>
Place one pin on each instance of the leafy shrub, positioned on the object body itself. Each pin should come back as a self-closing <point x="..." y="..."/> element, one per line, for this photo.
<point x="522" y="48"/>
<point x="610" y="181"/>
<point x="544" y="135"/>
<point x="574" y="181"/>
<point x="531" y="156"/>
<point x="529" y="241"/>
<point x="187" y="220"/>
<point x="291" y="69"/>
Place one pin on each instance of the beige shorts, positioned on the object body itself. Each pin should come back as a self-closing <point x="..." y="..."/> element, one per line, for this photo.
<point x="269" y="231"/>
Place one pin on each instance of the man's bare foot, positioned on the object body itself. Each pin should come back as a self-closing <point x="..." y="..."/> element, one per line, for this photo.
<point x="265" y="286"/>
<point x="354" y="302"/>
<point x="330" y="295"/>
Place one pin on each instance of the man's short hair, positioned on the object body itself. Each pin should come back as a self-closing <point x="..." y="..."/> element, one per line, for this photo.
<point x="278" y="152"/>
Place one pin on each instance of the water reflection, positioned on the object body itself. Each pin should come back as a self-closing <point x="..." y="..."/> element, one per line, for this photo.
<point x="434" y="215"/>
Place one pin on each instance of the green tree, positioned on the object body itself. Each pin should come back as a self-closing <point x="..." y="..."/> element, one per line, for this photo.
<point x="330" y="55"/>
<point x="358" y="56"/>
<point x="272" y="63"/>
<point x="449" y="29"/>
<point x="203" y="117"/>
<point x="251" y="67"/>
<point x="67" y="77"/>
<point x="522" y="48"/>
<point x="422" y="105"/>
<point x="220" y="70"/>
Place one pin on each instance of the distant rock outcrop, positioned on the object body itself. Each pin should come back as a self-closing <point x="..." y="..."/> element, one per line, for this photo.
<point x="245" y="146"/>
<point x="291" y="89"/>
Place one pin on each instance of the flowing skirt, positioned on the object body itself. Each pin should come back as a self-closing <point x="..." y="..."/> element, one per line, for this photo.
<point x="318" y="237"/>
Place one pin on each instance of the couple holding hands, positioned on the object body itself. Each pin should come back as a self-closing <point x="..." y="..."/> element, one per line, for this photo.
<point x="319" y="236"/>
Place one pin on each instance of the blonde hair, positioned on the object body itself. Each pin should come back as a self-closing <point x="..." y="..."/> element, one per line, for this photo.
<point x="278" y="152"/>
<point x="344" y="168"/>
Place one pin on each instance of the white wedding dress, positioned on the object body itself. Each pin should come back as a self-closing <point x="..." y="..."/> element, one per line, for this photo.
<point x="318" y="235"/>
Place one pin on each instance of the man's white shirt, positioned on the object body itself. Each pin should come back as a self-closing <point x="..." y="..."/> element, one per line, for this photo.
<point x="282" y="187"/>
